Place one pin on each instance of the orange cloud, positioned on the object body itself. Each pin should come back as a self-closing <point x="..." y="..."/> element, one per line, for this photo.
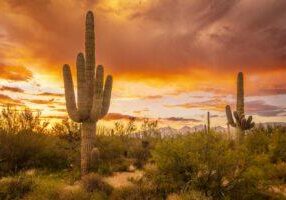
<point x="6" y="100"/>
<point x="42" y="102"/>
<point x="15" y="73"/>
<point x="51" y="94"/>
<point x="11" y="89"/>
<point x="117" y="116"/>
<point x="217" y="104"/>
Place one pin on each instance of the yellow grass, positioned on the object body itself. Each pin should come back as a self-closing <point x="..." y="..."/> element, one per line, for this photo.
<point x="122" y="179"/>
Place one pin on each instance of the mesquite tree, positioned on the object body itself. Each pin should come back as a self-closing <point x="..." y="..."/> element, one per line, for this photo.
<point x="93" y="96"/>
<point x="241" y="123"/>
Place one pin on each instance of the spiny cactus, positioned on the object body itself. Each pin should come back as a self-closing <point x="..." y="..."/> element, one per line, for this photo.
<point x="93" y="96"/>
<point x="241" y="123"/>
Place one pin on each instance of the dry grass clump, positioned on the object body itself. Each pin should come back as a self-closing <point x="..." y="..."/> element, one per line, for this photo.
<point x="15" y="187"/>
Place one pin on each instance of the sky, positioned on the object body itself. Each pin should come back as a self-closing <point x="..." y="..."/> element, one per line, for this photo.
<point x="171" y="60"/>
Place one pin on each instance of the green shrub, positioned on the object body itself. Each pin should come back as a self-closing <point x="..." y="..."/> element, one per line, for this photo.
<point x="28" y="149"/>
<point x="278" y="152"/>
<point x="258" y="142"/>
<point x="279" y="172"/>
<point x="205" y="162"/>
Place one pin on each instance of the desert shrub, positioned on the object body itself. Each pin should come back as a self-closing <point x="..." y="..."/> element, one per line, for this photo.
<point x="279" y="172"/>
<point x="13" y="120"/>
<point x="205" y="162"/>
<point x="27" y="149"/>
<point x="258" y="142"/>
<point x="69" y="134"/>
<point x="93" y="183"/>
<point x="26" y="143"/>
<point x="15" y="187"/>
<point x="278" y="152"/>
<point x="55" y="187"/>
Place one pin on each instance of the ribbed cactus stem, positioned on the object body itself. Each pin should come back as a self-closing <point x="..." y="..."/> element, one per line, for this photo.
<point x="90" y="56"/>
<point x="87" y="144"/>
<point x="93" y="95"/>
<point x="240" y="95"/>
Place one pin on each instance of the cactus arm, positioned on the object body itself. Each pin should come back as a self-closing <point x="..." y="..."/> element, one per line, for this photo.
<point x="240" y="94"/>
<point x="81" y="87"/>
<point x="94" y="157"/>
<point x="243" y="124"/>
<point x="249" y="120"/>
<point x="237" y="119"/>
<point x="229" y="116"/>
<point x="69" y="94"/>
<point x="97" y="97"/>
<point x="251" y="125"/>
<point x="90" y="57"/>
<point x="106" y="96"/>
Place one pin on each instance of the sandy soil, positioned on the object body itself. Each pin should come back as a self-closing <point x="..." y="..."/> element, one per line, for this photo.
<point x="121" y="179"/>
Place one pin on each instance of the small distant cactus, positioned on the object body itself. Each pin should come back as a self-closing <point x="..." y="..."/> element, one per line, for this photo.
<point x="209" y="121"/>
<point x="241" y="123"/>
<point x="93" y="96"/>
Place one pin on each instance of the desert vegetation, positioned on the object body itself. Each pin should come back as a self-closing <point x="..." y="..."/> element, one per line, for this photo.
<point x="40" y="161"/>
<point x="75" y="159"/>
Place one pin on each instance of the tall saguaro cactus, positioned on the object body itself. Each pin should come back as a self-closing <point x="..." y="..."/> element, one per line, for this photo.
<point x="241" y="123"/>
<point x="93" y="96"/>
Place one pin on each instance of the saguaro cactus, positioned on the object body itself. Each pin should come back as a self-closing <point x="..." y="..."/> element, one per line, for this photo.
<point x="93" y="96"/>
<point x="241" y="123"/>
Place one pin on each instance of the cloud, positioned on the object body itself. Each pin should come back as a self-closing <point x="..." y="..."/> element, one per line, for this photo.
<point x="261" y="108"/>
<point x="223" y="35"/>
<point x="11" y="89"/>
<point x="51" y="94"/>
<point x="6" y="100"/>
<point x="15" y="73"/>
<point x="138" y="112"/>
<point x="41" y="102"/>
<point x="53" y="117"/>
<point x="215" y="103"/>
<point x="181" y="119"/>
<point x="117" y="116"/>
<point x="155" y="36"/>
<point x="272" y="90"/>
<point x="153" y="97"/>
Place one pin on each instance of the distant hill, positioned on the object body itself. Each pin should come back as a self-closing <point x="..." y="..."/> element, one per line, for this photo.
<point x="169" y="131"/>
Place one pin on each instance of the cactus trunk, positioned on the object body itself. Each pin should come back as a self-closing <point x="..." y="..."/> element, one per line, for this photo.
<point x="88" y="130"/>
<point x="239" y="135"/>
<point x="240" y="103"/>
